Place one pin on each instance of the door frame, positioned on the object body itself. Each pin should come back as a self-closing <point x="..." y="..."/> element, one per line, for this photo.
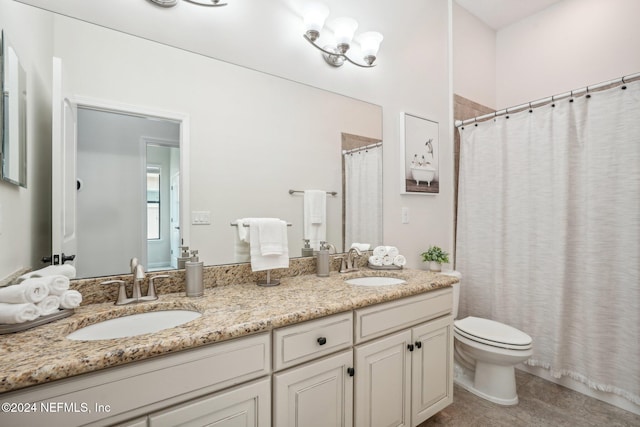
<point x="184" y="142"/>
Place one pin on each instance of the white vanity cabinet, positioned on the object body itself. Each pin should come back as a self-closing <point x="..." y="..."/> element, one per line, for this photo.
<point x="188" y="378"/>
<point x="404" y="364"/>
<point x="318" y="392"/>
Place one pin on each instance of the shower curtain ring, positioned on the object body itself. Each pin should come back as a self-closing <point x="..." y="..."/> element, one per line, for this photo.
<point x="530" y="109"/>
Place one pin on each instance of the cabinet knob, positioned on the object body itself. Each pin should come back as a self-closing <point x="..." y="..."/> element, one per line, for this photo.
<point x="419" y="344"/>
<point x="322" y="340"/>
<point x="410" y="347"/>
<point x="351" y="371"/>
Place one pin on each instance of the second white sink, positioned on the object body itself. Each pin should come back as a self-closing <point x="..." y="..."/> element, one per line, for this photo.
<point x="375" y="281"/>
<point x="134" y="324"/>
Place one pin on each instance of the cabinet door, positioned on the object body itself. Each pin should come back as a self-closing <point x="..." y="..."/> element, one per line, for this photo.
<point x="244" y="406"/>
<point x="317" y="394"/>
<point x="432" y="366"/>
<point x="383" y="382"/>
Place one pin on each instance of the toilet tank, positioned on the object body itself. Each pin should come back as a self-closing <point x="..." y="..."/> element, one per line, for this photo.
<point x="456" y="290"/>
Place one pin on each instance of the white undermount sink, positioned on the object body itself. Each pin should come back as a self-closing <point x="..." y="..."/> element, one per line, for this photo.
<point x="134" y="324"/>
<point x="375" y="281"/>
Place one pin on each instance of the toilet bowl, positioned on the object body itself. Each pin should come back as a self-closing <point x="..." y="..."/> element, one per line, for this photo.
<point x="485" y="355"/>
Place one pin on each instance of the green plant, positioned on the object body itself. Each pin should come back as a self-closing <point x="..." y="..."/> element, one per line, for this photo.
<point x="435" y="254"/>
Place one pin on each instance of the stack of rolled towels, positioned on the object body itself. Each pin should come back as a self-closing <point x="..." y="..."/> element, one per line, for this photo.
<point x="386" y="256"/>
<point x="36" y="296"/>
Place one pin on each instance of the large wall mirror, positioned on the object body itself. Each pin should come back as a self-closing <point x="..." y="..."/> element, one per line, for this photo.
<point x="13" y="114"/>
<point x="244" y="139"/>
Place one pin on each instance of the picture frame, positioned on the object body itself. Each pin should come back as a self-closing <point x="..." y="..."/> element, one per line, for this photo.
<point x="420" y="148"/>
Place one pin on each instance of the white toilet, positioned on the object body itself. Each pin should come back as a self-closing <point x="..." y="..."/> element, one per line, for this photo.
<point x="485" y="354"/>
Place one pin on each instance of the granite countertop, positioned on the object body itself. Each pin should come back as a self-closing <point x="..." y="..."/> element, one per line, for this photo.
<point x="43" y="354"/>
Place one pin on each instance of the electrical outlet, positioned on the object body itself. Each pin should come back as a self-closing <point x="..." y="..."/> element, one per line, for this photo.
<point x="200" y="217"/>
<point x="405" y="215"/>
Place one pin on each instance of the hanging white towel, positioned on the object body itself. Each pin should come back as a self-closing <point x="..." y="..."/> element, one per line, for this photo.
<point x="315" y="217"/>
<point x="70" y="299"/>
<point x="361" y="246"/>
<point x="18" y="313"/>
<point x="273" y="236"/>
<point x="51" y="270"/>
<point x="260" y="261"/>
<point x="241" y="242"/>
<point x="29" y="291"/>
<point x="49" y="305"/>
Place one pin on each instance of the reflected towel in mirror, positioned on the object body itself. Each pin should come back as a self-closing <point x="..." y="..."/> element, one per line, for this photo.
<point x="315" y="217"/>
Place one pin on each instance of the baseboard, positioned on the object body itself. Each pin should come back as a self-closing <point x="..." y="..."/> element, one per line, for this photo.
<point x="610" y="398"/>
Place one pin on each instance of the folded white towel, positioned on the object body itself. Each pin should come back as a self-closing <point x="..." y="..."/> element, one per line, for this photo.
<point x="315" y="217"/>
<point x="70" y="299"/>
<point x="31" y="290"/>
<point x="380" y="251"/>
<point x="392" y="251"/>
<point x="375" y="260"/>
<point x="399" y="260"/>
<point x="57" y="284"/>
<point x="273" y="236"/>
<point x="260" y="262"/>
<point x="18" y="313"/>
<point x="361" y="246"/>
<point x="387" y="260"/>
<point x="49" y="305"/>
<point x="51" y="270"/>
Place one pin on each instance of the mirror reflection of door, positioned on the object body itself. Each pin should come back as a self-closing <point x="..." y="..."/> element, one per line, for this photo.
<point x="120" y="157"/>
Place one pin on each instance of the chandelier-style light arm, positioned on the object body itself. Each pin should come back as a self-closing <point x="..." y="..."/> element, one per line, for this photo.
<point x="333" y="57"/>
<point x="214" y="3"/>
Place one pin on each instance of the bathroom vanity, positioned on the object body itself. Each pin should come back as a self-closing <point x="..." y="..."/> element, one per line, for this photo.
<point x="310" y="352"/>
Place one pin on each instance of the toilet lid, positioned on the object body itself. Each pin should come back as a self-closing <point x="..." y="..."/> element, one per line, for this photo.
<point x="493" y="333"/>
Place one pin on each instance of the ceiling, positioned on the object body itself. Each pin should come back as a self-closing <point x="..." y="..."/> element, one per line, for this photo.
<point x="498" y="14"/>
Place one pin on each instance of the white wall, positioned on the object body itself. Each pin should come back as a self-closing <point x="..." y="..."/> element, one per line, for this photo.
<point x="570" y="45"/>
<point x="474" y="58"/>
<point x="25" y="214"/>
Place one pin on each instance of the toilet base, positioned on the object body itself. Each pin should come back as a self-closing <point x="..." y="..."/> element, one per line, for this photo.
<point x="476" y="382"/>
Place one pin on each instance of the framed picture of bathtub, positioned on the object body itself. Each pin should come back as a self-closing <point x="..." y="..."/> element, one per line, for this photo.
<point x="420" y="147"/>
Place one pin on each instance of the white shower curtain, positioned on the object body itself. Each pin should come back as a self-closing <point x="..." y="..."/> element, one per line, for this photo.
<point x="363" y="196"/>
<point x="548" y="236"/>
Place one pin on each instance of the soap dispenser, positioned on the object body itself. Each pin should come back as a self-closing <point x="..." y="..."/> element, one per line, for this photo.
<point x="323" y="260"/>
<point x="184" y="256"/>
<point x="307" y="250"/>
<point x="193" y="273"/>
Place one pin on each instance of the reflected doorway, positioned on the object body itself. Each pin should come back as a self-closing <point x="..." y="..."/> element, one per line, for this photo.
<point x="126" y="164"/>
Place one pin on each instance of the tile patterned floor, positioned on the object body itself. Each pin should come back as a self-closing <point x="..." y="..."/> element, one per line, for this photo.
<point x="542" y="404"/>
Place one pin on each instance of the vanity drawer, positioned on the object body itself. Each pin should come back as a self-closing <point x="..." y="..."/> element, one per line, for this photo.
<point x="299" y="343"/>
<point x="383" y="319"/>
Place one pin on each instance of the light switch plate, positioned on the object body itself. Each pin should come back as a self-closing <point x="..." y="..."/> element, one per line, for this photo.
<point x="405" y="215"/>
<point x="201" y="217"/>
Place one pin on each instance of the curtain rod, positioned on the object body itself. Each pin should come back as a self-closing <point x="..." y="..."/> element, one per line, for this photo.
<point x="364" y="147"/>
<point x="543" y="101"/>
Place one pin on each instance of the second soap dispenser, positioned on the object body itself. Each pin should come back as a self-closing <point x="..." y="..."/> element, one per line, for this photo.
<point x="193" y="275"/>
<point x="323" y="260"/>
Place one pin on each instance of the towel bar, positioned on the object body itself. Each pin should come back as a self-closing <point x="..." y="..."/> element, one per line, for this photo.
<point x="233" y="224"/>
<point x="333" y="193"/>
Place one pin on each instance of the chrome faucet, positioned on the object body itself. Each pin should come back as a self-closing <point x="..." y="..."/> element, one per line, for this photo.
<point x="348" y="264"/>
<point x="137" y="271"/>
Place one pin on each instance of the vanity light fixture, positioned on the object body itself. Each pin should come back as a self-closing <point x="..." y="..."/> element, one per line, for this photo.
<point x="171" y="3"/>
<point x="344" y="29"/>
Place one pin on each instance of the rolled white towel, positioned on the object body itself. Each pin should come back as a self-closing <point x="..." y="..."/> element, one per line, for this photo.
<point x="31" y="290"/>
<point x="375" y="261"/>
<point x="399" y="260"/>
<point x="51" y="270"/>
<point x="387" y="260"/>
<point x="57" y="284"/>
<point x="361" y="246"/>
<point x="70" y="299"/>
<point x="380" y="251"/>
<point x="392" y="251"/>
<point x="18" y="313"/>
<point x="49" y="305"/>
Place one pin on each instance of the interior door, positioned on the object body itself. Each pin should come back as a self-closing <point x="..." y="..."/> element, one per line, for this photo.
<point x="63" y="171"/>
